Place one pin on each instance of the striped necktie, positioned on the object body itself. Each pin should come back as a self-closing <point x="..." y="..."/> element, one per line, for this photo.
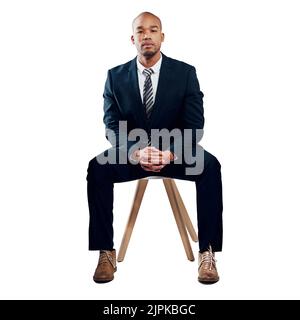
<point x="148" y="98"/>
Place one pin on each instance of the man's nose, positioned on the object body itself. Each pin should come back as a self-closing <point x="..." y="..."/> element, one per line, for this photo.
<point x="146" y="35"/>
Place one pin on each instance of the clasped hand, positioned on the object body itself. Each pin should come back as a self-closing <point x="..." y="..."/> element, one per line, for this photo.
<point x="153" y="159"/>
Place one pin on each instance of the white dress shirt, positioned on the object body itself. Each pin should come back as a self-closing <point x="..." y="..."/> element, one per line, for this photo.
<point x="154" y="76"/>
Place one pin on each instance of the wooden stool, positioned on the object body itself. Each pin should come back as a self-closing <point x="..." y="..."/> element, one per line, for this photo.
<point x="180" y="214"/>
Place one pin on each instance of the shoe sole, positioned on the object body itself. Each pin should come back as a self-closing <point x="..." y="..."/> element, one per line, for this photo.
<point x="208" y="281"/>
<point x="103" y="281"/>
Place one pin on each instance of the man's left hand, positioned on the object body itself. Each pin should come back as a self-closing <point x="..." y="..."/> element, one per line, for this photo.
<point x="156" y="159"/>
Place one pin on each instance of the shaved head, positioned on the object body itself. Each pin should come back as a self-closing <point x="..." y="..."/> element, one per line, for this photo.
<point x="147" y="37"/>
<point x="146" y="13"/>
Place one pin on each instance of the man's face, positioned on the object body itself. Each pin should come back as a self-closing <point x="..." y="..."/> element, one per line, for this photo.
<point x="147" y="35"/>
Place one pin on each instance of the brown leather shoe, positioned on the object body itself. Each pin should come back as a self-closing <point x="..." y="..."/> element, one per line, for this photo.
<point x="106" y="266"/>
<point x="208" y="273"/>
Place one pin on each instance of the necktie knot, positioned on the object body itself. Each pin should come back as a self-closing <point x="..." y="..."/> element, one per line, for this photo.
<point x="148" y="72"/>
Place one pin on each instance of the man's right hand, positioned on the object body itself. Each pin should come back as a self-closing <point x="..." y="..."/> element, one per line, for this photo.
<point x="153" y="159"/>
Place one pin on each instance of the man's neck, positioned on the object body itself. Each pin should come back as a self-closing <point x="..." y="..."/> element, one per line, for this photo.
<point x="149" y="62"/>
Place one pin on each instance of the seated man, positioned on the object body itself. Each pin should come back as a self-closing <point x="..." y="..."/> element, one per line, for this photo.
<point x="154" y="94"/>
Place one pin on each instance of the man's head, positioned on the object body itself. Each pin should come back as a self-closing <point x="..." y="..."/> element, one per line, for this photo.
<point x="147" y="34"/>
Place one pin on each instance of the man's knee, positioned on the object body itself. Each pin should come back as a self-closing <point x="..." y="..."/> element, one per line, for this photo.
<point x="97" y="171"/>
<point x="211" y="162"/>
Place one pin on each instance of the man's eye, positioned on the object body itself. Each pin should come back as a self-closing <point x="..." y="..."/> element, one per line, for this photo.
<point x="139" y="32"/>
<point x="153" y="30"/>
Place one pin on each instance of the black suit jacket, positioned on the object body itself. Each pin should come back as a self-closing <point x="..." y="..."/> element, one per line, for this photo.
<point x="178" y="101"/>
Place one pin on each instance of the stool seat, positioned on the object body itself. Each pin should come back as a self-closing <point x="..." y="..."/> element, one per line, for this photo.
<point x="180" y="213"/>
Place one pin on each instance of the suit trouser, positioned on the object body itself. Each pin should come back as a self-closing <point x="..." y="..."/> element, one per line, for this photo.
<point x="101" y="179"/>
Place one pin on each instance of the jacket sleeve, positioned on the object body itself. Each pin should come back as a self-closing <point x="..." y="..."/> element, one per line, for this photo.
<point x="112" y="117"/>
<point x="192" y="116"/>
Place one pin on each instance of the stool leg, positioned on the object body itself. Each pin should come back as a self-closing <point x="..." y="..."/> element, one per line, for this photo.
<point x="138" y="197"/>
<point x="184" y="214"/>
<point x="179" y="220"/>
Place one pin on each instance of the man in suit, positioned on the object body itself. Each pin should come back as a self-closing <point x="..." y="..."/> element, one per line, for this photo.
<point x="150" y="92"/>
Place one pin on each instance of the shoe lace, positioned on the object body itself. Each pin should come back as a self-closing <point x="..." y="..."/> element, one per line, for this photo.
<point x="208" y="259"/>
<point x="105" y="258"/>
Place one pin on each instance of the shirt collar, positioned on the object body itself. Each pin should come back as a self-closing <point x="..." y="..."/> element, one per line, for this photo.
<point x="155" y="68"/>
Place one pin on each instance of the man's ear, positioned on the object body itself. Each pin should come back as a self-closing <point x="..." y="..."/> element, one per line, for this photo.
<point x="132" y="39"/>
<point x="162" y="37"/>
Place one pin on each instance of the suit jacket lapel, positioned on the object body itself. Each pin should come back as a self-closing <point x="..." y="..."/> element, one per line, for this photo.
<point x="163" y="82"/>
<point x="134" y="91"/>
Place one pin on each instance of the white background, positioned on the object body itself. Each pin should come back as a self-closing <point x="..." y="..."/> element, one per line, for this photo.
<point x="54" y="59"/>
